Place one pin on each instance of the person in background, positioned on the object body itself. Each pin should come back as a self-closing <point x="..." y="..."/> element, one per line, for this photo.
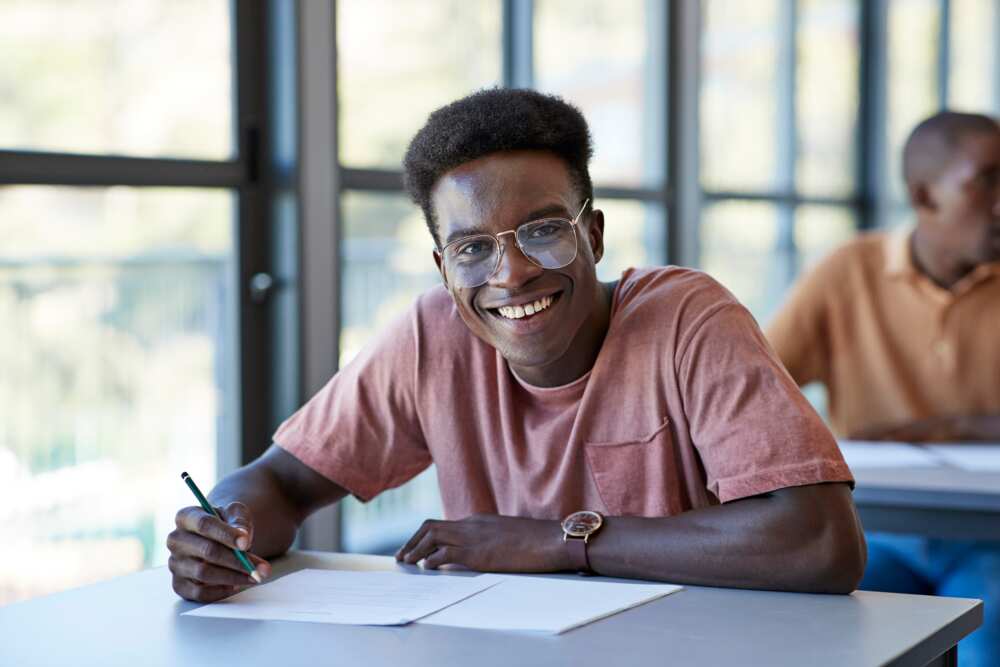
<point x="636" y="428"/>
<point x="903" y="329"/>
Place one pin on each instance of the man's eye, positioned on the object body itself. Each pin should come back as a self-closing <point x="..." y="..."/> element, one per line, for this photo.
<point x="473" y="249"/>
<point x="543" y="230"/>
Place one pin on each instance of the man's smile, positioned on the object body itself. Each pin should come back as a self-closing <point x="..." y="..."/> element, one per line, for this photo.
<point x="525" y="314"/>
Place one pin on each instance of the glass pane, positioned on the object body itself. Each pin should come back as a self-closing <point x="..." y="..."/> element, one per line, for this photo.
<point x="912" y="78"/>
<point x="740" y="249"/>
<point x="739" y="88"/>
<point x="398" y="60"/>
<point x="634" y="236"/>
<point x="387" y="261"/>
<point x="974" y="76"/>
<point x="827" y="96"/>
<point x="146" y="77"/>
<point x="601" y="56"/>
<point x="819" y="230"/>
<point x="118" y="370"/>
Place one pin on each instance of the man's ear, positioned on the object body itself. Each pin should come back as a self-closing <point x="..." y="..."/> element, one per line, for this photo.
<point x="922" y="196"/>
<point x="440" y="265"/>
<point x="595" y="234"/>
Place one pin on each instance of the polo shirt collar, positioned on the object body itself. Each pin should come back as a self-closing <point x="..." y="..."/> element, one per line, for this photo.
<point x="899" y="264"/>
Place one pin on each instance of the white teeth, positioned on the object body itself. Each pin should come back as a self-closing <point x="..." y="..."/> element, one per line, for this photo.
<point x="517" y="312"/>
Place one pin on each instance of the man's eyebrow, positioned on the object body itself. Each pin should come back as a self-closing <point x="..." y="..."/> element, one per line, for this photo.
<point x="537" y="214"/>
<point x="465" y="231"/>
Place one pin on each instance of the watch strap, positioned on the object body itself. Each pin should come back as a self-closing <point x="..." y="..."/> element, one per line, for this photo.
<point x="577" y="547"/>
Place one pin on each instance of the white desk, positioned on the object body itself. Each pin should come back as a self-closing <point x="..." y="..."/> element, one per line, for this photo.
<point x="134" y="620"/>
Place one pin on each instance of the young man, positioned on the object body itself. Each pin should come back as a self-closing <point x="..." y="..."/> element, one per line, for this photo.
<point x="903" y="328"/>
<point x="648" y="412"/>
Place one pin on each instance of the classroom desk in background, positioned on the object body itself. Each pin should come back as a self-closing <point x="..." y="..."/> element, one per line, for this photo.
<point x="135" y="620"/>
<point x="899" y="492"/>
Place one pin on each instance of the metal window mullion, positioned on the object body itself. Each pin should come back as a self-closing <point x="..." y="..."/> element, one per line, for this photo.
<point x="787" y="138"/>
<point x="872" y="144"/>
<point x="517" y="43"/>
<point x="944" y="53"/>
<point x="45" y="168"/>
<point x="253" y="243"/>
<point x="684" y="196"/>
<point x="320" y="225"/>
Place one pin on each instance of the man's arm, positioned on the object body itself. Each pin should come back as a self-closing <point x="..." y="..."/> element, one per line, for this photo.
<point x="263" y="505"/>
<point x="805" y="539"/>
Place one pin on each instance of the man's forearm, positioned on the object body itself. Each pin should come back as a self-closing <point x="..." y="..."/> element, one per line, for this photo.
<point x="802" y="539"/>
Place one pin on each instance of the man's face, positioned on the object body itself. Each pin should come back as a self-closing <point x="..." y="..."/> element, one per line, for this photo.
<point x="498" y="193"/>
<point x="967" y="200"/>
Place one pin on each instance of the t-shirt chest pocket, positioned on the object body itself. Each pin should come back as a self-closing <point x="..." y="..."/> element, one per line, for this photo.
<point x="637" y="475"/>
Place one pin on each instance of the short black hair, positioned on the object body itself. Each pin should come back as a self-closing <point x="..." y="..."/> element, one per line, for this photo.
<point x="933" y="142"/>
<point x="490" y="121"/>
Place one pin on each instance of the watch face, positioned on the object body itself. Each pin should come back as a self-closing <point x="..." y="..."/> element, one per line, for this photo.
<point x="581" y="524"/>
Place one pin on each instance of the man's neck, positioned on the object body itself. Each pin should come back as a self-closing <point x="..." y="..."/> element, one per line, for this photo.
<point x="583" y="351"/>
<point x="941" y="269"/>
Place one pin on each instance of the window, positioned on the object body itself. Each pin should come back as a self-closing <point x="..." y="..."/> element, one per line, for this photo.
<point x="125" y="188"/>
<point x="779" y="108"/>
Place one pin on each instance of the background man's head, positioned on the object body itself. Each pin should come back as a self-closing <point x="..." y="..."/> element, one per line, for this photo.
<point x="492" y="121"/>
<point x="951" y="164"/>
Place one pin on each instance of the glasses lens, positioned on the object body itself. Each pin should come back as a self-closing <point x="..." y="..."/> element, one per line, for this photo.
<point x="549" y="243"/>
<point x="470" y="262"/>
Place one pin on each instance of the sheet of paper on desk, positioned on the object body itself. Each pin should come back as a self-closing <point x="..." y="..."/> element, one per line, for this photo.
<point x="352" y="598"/>
<point x="975" y="457"/>
<point x="551" y="606"/>
<point x="862" y="454"/>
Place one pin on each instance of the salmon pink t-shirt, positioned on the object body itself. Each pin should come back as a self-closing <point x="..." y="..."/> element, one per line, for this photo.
<point x="686" y="406"/>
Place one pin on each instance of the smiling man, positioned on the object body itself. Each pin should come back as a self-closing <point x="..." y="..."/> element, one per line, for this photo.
<point x="639" y="428"/>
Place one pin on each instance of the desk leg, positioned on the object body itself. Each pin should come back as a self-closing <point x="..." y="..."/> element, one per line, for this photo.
<point x="947" y="659"/>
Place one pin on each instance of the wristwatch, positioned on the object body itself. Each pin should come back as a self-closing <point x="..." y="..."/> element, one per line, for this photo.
<point x="577" y="529"/>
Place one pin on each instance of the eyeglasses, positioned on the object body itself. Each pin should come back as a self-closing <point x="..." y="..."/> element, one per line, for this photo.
<point x="550" y="243"/>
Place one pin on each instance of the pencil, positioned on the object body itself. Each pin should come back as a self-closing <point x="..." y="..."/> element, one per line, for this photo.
<point x="205" y="505"/>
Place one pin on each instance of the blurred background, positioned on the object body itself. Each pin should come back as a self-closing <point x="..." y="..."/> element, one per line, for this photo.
<point x="202" y="214"/>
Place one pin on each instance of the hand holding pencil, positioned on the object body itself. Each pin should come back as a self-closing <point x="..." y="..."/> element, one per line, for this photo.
<point x="208" y="550"/>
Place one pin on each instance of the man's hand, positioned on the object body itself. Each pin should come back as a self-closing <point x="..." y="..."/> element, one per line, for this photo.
<point x="202" y="561"/>
<point x="489" y="543"/>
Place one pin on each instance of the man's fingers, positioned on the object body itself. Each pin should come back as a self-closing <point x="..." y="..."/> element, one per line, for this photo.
<point x="414" y="539"/>
<point x="238" y="516"/>
<point x="434" y="537"/>
<point x="192" y="590"/>
<point x="262" y="566"/>
<point x="196" y="520"/>
<point x="445" y="556"/>
<point x="186" y="544"/>
<point x="206" y="573"/>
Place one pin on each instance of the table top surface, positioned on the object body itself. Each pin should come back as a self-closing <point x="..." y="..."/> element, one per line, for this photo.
<point x="136" y="619"/>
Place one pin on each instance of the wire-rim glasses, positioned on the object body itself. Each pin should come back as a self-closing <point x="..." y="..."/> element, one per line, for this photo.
<point x="550" y="243"/>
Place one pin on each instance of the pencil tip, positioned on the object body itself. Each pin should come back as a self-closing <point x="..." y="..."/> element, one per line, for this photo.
<point x="255" y="576"/>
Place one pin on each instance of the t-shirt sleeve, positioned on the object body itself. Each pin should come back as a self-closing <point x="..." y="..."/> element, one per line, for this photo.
<point x="754" y="430"/>
<point x="799" y="331"/>
<point x="362" y="429"/>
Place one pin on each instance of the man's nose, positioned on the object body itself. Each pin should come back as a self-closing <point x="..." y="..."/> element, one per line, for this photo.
<point x="514" y="269"/>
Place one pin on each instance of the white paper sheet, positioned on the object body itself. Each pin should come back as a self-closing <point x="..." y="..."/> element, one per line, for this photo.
<point x="862" y="454"/>
<point x="552" y="606"/>
<point x="974" y="457"/>
<point x="353" y="598"/>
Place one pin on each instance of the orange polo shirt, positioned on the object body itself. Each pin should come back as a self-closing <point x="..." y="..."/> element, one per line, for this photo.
<point x="890" y="345"/>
